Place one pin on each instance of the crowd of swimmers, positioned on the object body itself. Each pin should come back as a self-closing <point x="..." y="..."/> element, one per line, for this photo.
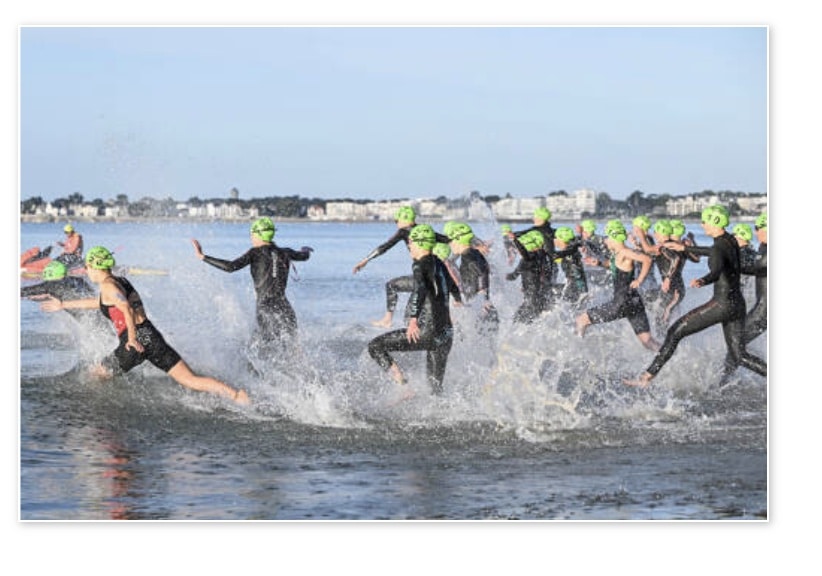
<point x="451" y="268"/>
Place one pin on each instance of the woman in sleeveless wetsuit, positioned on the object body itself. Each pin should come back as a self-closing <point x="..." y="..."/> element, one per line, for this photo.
<point x="726" y="307"/>
<point x="627" y="302"/>
<point x="474" y="274"/>
<point x="139" y="339"/>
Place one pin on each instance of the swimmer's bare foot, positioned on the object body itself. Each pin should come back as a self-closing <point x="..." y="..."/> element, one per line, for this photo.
<point x="241" y="398"/>
<point x="642" y="382"/>
<point x="581" y="324"/>
<point x="384" y="322"/>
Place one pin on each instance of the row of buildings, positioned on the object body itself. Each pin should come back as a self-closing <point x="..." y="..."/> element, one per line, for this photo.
<point x="571" y="206"/>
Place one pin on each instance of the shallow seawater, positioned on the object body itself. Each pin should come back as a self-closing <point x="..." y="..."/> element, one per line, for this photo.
<point x="533" y="424"/>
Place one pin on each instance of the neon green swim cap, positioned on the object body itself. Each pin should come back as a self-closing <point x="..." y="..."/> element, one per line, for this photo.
<point x="506" y="228"/>
<point x="716" y="215"/>
<point x="99" y="258"/>
<point x="616" y="231"/>
<point x="423" y="236"/>
<point x="589" y="226"/>
<point x="68" y="228"/>
<point x="54" y="271"/>
<point x="743" y="231"/>
<point x="642" y="222"/>
<point x="459" y="232"/>
<point x="761" y="221"/>
<point x="406" y="214"/>
<point x="542" y="213"/>
<point x="565" y="234"/>
<point x="663" y="227"/>
<point x="442" y="251"/>
<point x="264" y="229"/>
<point x="677" y="228"/>
<point x="533" y="240"/>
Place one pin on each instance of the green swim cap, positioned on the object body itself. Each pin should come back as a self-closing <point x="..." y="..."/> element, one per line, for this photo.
<point x="642" y="222"/>
<point x="506" y="228"/>
<point x="743" y="231"/>
<point x="99" y="258"/>
<point x="616" y="231"/>
<point x="761" y="221"/>
<point x="589" y="226"/>
<point x="663" y="227"/>
<point x="532" y="240"/>
<point x="542" y="213"/>
<point x="442" y="251"/>
<point x="459" y="232"/>
<point x="716" y="215"/>
<point x="406" y="214"/>
<point x="423" y="236"/>
<point x="565" y="234"/>
<point x="677" y="228"/>
<point x="54" y="271"/>
<point x="263" y="228"/>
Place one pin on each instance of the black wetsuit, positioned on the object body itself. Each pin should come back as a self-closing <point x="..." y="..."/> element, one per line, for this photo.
<point x="475" y="278"/>
<point x="428" y="303"/>
<point x="270" y="267"/>
<point x="531" y="268"/>
<point x="670" y="264"/>
<point x="576" y="283"/>
<point x="401" y="283"/>
<point x="67" y="288"/>
<point x="547" y="251"/>
<point x="156" y="349"/>
<point x="726" y="307"/>
<point x="756" y="321"/>
<point x="626" y="303"/>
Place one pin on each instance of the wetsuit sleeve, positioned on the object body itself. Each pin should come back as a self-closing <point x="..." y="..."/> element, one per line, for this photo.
<point x="698" y="250"/>
<point x="442" y="238"/>
<point x="520" y="248"/>
<point x="297" y="255"/>
<point x="400" y="234"/>
<point x="572" y="247"/>
<point x="35" y="290"/>
<point x="229" y="265"/>
<point x="757" y="267"/>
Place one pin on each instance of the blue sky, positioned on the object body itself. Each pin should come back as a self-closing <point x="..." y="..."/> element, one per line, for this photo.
<point x="391" y="112"/>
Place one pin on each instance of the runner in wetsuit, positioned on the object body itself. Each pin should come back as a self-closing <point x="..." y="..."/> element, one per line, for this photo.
<point x="670" y="264"/>
<point x="475" y="274"/>
<point x="542" y="224"/>
<point x="568" y="246"/>
<point x="531" y="270"/>
<point x="58" y="284"/>
<point x="756" y="265"/>
<point x="139" y="339"/>
<point x="270" y="266"/>
<point x="639" y="240"/>
<point x="429" y="320"/>
<point x="627" y="302"/>
<point x="756" y="321"/>
<point x="747" y="254"/>
<point x="726" y="307"/>
<point x="406" y="219"/>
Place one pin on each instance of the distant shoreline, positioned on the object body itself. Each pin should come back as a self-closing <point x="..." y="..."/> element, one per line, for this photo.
<point x="39" y="219"/>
